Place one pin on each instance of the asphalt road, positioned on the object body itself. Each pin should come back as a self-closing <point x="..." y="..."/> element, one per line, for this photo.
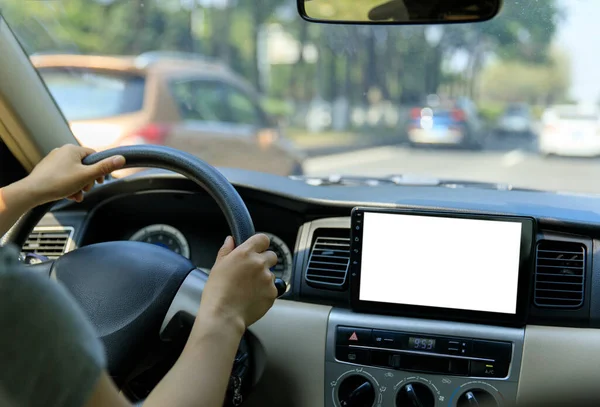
<point x="512" y="161"/>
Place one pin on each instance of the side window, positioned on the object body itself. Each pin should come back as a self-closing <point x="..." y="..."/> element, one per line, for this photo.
<point x="242" y="110"/>
<point x="209" y="98"/>
<point x="200" y="100"/>
<point x="183" y="94"/>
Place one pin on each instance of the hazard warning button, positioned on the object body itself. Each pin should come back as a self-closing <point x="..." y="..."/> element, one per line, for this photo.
<point x="353" y="336"/>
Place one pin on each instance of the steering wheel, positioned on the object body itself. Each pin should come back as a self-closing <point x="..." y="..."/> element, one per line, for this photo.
<point x="133" y="290"/>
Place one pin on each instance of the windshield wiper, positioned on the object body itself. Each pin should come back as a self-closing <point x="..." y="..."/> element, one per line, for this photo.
<point x="342" y="180"/>
<point x="452" y="183"/>
<point x="403" y="180"/>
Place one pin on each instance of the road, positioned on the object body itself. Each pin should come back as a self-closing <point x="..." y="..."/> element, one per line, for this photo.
<point x="514" y="162"/>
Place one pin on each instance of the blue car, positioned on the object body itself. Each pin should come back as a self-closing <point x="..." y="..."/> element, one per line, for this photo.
<point x="455" y="124"/>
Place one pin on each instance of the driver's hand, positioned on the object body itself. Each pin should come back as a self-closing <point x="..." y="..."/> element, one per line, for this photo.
<point x="62" y="175"/>
<point x="240" y="289"/>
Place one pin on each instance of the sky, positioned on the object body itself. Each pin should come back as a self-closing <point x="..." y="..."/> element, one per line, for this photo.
<point x="578" y="36"/>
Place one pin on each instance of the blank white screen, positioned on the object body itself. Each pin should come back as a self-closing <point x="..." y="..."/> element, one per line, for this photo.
<point x="467" y="264"/>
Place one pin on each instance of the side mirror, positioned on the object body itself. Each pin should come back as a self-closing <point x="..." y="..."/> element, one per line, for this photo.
<point x="398" y="11"/>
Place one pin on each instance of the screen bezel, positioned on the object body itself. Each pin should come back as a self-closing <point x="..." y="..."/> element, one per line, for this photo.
<point x="526" y="262"/>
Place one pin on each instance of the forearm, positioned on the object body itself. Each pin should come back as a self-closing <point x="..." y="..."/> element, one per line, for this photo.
<point x="201" y="375"/>
<point x="15" y="200"/>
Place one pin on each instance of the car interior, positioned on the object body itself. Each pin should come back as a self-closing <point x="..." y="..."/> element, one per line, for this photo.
<point x="391" y="294"/>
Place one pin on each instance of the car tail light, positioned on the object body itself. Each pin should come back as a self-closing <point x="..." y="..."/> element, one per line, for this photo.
<point x="152" y="133"/>
<point x="459" y="115"/>
<point x="266" y="137"/>
<point x="415" y="113"/>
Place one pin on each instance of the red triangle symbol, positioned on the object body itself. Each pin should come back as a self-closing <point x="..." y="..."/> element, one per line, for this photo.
<point x="353" y="337"/>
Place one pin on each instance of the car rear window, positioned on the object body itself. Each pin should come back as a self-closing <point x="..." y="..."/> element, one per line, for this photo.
<point x="84" y="94"/>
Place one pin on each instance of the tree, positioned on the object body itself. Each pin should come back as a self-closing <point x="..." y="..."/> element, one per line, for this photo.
<point x="518" y="81"/>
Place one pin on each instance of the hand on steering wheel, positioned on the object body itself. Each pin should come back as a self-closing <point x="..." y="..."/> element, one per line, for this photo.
<point x="138" y="282"/>
<point x="240" y="288"/>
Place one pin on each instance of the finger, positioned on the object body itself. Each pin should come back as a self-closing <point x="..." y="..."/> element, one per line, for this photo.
<point x="88" y="187"/>
<point x="100" y="180"/>
<point x="106" y="166"/>
<point x="257" y="243"/>
<point x="227" y="248"/>
<point x="78" y="197"/>
<point x="85" y="151"/>
<point x="272" y="290"/>
<point x="270" y="258"/>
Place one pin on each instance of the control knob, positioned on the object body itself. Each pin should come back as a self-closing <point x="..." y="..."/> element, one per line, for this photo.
<point x="356" y="391"/>
<point x="415" y="395"/>
<point x="476" y="398"/>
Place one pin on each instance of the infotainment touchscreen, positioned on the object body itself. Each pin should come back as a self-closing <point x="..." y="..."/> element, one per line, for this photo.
<point x="433" y="263"/>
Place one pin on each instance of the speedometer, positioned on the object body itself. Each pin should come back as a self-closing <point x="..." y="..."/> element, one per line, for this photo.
<point x="283" y="268"/>
<point x="165" y="236"/>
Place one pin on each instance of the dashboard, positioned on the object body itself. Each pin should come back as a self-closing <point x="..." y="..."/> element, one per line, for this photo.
<point x="381" y="356"/>
<point x="188" y="223"/>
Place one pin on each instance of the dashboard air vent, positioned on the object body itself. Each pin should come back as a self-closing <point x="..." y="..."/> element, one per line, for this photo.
<point x="559" y="274"/>
<point x="329" y="259"/>
<point x="49" y="241"/>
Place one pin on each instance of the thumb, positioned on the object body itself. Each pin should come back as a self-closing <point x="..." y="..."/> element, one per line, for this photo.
<point x="106" y="166"/>
<point x="227" y="248"/>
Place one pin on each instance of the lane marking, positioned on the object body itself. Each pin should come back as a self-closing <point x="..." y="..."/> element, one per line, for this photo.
<point x="351" y="159"/>
<point x="513" y="158"/>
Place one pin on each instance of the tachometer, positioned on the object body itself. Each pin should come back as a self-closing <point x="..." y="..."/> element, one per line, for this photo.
<point x="165" y="236"/>
<point x="283" y="269"/>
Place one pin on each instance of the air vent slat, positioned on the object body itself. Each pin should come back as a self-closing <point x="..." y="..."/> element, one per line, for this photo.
<point x="560" y="274"/>
<point x="329" y="260"/>
<point x="51" y="242"/>
<point x="560" y="267"/>
<point x="326" y="262"/>
<point x="558" y="251"/>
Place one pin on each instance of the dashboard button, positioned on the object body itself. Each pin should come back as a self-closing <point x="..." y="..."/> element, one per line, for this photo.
<point x="386" y="339"/>
<point x="353" y="336"/>
<point x="458" y="367"/>
<point x="459" y="347"/>
<point x="499" y="351"/>
<point x="488" y="369"/>
<point x="395" y="361"/>
<point x="352" y="355"/>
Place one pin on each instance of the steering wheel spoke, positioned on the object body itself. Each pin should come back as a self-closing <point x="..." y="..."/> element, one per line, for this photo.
<point x="185" y="303"/>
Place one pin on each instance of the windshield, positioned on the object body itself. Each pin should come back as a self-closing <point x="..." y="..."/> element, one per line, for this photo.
<point x="249" y="84"/>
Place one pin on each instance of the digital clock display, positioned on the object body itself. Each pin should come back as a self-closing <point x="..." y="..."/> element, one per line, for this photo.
<point x="421" y="343"/>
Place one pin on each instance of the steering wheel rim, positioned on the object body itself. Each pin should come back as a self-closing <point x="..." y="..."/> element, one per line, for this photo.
<point x="147" y="278"/>
<point x="151" y="156"/>
<point x="211" y="180"/>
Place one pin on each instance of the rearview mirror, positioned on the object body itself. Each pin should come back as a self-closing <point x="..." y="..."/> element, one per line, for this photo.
<point x="398" y="11"/>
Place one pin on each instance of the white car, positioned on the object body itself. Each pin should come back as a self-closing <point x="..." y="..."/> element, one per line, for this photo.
<point x="570" y="130"/>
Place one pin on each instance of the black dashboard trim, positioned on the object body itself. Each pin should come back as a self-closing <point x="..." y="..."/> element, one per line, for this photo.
<point x="571" y="215"/>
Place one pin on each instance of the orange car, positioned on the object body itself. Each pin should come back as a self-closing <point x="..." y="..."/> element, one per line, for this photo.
<point x="174" y="99"/>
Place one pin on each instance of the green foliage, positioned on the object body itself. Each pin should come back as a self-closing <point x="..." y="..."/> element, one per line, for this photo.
<point x="276" y="107"/>
<point x="515" y="81"/>
<point x="490" y="111"/>
<point x="398" y="61"/>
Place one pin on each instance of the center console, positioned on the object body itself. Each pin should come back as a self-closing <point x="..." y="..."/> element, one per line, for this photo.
<point x="438" y="301"/>
<point x="380" y="361"/>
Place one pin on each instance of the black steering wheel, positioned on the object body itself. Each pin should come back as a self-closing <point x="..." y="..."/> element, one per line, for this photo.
<point x="131" y="290"/>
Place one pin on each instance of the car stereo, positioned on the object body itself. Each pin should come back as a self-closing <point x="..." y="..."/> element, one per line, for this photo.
<point x="442" y="265"/>
<point x="423" y="353"/>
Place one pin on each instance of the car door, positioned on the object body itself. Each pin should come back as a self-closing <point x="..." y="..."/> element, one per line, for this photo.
<point x="202" y="130"/>
<point x="208" y="128"/>
<point x="247" y="118"/>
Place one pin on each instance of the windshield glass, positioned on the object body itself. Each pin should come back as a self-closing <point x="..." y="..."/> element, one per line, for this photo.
<point x="250" y="84"/>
